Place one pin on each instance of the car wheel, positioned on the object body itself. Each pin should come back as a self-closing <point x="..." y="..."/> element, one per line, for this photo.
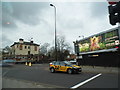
<point x="52" y="70"/>
<point x="70" y="71"/>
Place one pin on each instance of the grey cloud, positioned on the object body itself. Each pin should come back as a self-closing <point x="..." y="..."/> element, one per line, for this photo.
<point x="26" y="12"/>
<point x="71" y="23"/>
<point x="8" y="21"/>
<point x="99" y="9"/>
<point x="6" y="40"/>
<point x="74" y="24"/>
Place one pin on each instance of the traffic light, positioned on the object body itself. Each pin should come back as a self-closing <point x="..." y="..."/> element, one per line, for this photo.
<point x="77" y="54"/>
<point x="114" y="13"/>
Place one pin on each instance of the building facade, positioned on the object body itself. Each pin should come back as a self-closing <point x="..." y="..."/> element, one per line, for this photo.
<point x="24" y="50"/>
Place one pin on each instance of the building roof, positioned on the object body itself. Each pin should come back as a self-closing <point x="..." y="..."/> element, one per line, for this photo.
<point x="25" y="43"/>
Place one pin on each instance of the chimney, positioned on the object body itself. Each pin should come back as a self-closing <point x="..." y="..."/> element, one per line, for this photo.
<point x="31" y="41"/>
<point x="21" y="40"/>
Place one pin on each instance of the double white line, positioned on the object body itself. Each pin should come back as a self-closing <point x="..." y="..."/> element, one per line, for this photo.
<point x="80" y="84"/>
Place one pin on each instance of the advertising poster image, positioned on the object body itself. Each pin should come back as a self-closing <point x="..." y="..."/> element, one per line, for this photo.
<point x="99" y="42"/>
<point x="94" y="43"/>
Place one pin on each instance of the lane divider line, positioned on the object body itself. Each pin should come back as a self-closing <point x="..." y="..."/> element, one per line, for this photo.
<point x="80" y="84"/>
<point x="3" y="74"/>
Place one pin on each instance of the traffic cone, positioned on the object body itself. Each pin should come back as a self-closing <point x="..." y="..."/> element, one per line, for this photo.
<point x="26" y="63"/>
<point x="30" y="64"/>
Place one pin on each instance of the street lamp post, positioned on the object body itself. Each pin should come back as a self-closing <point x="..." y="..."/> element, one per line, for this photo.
<point x="55" y="33"/>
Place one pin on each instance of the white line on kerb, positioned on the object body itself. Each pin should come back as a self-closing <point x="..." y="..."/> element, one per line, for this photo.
<point x="80" y="84"/>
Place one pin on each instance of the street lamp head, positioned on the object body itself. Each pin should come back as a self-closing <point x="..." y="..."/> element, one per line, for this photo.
<point x="51" y="5"/>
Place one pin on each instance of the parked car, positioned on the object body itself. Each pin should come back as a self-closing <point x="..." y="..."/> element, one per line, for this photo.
<point x="6" y="63"/>
<point x="73" y="62"/>
<point x="64" y="66"/>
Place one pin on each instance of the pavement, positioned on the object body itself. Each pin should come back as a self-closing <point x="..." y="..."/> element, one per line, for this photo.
<point x="11" y="82"/>
<point x="93" y="69"/>
<point x="15" y="83"/>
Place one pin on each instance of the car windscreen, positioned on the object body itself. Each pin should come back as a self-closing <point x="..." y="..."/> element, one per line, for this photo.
<point x="68" y="63"/>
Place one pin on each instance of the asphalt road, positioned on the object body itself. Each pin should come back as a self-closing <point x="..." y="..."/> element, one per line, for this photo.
<point x="41" y="74"/>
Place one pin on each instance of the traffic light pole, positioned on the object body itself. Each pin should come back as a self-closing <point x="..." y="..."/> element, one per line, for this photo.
<point x="119" y="29"/>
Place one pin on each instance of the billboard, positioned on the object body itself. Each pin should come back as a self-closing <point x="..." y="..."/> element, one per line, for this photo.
<point x="107" y="40"/>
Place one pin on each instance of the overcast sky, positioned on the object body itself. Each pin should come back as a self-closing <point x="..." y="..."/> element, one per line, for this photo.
<point x="36" y="20"/>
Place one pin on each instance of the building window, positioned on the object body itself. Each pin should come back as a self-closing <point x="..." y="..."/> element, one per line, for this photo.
<point x="21" y="46"/>
<point x="35" y="48"/>
<point x="17" y="46"/>
<point x="25" y="47"/>
<point x="28" y="47"/>
<point x="28" y="52"/>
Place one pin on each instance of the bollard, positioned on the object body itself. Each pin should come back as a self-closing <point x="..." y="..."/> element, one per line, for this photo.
<point x="30" y="64"/>
<point x="26" y="63"/>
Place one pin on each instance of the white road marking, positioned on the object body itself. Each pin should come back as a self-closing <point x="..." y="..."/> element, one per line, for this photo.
<point x="4" y="73"/>
<point x="80" y="84"/>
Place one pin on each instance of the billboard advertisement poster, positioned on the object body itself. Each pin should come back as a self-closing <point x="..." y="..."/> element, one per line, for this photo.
<point x="101" y="41"/>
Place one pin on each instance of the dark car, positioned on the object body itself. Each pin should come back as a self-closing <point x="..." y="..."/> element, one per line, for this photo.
<point x="64" y="66"/>
<point x="6" y="63"/>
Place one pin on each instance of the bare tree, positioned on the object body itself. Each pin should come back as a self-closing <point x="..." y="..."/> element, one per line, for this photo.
<point x="44" y="48"/>
<point x="7" y="49"/>
<point x="63" y="49"/>
<point x="6" y="52"/>
<point x="62" y="45"/>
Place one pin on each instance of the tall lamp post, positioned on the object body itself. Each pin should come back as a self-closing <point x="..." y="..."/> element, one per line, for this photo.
<point x="55" y="32"/>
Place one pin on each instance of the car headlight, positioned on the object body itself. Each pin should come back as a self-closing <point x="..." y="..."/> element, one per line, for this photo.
<point x="75" y="67"/>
